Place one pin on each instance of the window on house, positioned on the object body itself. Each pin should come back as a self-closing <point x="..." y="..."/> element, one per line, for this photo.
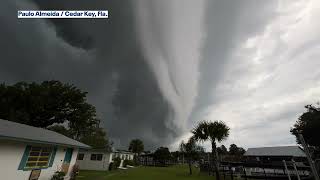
<point x="96" y="157"/>
<point x="38" y="157"/>
<point x="93" y="157"/>
<point x="99" y="157"/>
<point x="80" y="156"/>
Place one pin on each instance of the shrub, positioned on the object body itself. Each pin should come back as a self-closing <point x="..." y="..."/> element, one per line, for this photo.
<point x="136" y="160"/>
<point x="111" y="166"/>
<point x="116" y="163"/>
<point x="74" y="172"/>
<point x="58" y="175"/>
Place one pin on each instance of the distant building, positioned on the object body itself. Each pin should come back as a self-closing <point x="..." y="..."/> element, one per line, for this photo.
<point x="29" y="151"/>
<point x="123" y="154"/>
<point x="100" y="159"/>
<point x="277" y="153"/>
<point x="146" y="159"/>
<point x="270" y="160"/>
<point x="94" y="159"/>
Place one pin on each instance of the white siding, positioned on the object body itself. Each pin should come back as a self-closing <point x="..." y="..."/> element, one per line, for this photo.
<point x="10" y="157"/>
<point x="11" y="154"/>
<point x="123" y="155"/>
<point x="88" y="164"/>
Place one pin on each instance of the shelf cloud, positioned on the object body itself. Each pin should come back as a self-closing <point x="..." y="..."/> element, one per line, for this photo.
<point x="154" y="69"/>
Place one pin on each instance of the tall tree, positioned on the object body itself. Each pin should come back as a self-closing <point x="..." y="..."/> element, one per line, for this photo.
<point x="47" y="104"/>
<point x="136" y="146"/>
<point x="97" y="139"/>
<point x="192" y="151"/>
<point x="222" y="150"/>
<point x="176" y="155"/>
<point x="235" y="150"/>
<point x="61" y="129"/>
<point x="162" y="154"/>
<point x="308" y="125"/>
<point x="214" y="132"/>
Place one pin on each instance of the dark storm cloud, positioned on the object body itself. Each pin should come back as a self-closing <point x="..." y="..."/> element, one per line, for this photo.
<point x="153" y="62"/>
<point x="99" y="56"/>
<point x="228" y="23"/>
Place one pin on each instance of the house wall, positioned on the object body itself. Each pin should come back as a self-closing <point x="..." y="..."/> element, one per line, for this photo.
<point x="88" y="164"/>
<point x="123" y="155"/>
<point x="11" y="153"/>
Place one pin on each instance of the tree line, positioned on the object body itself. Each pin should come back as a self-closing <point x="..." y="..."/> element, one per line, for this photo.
<point x="53" y="105"/>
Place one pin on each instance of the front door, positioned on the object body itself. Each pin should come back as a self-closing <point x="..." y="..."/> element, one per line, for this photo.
<point x="67" y="160"/>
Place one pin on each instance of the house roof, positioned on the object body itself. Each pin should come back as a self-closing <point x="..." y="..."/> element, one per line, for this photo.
<point x="21" y="132"/>
<point x="123" y="151"/>
<point x="294" y="151"/>
<point x="95" y="150"/>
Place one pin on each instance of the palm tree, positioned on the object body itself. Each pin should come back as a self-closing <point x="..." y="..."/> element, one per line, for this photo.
<point x="214" y="132"/>
<point x="137" y="147"/>
<point x="191" y="150"/>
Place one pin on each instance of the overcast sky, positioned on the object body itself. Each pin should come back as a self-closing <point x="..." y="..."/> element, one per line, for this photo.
<point x="154" y="69"/>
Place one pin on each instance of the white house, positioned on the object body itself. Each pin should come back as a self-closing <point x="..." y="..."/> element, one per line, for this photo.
<point x="27" y="151"/>
<point x="100" y="159"/>
<point x="95" y="159"/>
<point x="123" y="154"/>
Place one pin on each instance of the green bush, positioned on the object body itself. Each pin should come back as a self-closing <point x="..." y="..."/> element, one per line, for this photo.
<point x="128" y="162"/>
<point x="58" y="175"/>
<point x="136" y="160"/>
<point x="116" y="163"/>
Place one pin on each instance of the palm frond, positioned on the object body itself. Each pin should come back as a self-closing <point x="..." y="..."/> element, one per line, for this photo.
<point x="221" y="130"/>
<point x="213" y="131"/>
<point x="200" y="132"/>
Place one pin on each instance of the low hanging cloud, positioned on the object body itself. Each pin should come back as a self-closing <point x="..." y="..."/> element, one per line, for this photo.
<point x="154" y="69"/>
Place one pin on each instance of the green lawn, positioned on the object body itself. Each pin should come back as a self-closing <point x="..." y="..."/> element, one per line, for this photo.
<point x="145" y="173"/>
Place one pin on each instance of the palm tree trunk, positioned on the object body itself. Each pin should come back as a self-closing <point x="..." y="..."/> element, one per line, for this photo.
<point x="215" y="159"/>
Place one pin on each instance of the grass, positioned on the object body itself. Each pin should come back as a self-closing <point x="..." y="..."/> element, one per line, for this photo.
<point x="145" y="173"/>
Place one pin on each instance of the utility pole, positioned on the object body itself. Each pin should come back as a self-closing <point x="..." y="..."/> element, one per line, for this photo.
<point x="311" y="162"/>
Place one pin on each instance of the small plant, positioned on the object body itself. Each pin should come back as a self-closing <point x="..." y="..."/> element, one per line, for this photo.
<point x="136" y="160"/>
<point x="74" y="172"/>
<point x="116" y="163"/>
<point x="58" y="175"/>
